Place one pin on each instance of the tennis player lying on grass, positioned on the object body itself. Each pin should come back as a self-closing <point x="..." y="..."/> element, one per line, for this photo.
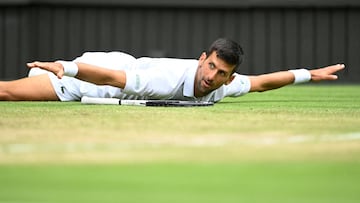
<point x="119" y="75"/>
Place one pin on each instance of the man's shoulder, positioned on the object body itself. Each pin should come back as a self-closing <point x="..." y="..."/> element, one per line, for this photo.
<point x="167" y="63"/>
<point x="168" y="60"/>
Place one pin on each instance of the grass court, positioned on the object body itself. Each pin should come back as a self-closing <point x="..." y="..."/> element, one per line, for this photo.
<point x="296" y="144"/>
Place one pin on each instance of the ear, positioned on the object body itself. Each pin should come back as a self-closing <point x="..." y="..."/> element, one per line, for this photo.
<point x="202" y="56"/>
<point x="231" y="78"/>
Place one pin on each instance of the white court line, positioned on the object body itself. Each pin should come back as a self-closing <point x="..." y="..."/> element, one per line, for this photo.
<point x="204" y="141"/>
<point x="325" y="138"/>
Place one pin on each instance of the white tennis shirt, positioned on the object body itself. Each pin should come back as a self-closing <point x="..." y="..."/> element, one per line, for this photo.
<point x="149" y="78"/>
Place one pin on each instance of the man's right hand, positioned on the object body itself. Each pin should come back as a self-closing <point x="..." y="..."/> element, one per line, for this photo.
<point x="53" y="67"/>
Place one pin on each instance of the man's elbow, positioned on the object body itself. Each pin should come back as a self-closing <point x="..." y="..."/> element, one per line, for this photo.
<point x="263" y="88"/>
<point x="258" y="88"/>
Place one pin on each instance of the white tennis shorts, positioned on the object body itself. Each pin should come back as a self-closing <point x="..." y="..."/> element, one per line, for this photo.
<point x="72" y="89"/>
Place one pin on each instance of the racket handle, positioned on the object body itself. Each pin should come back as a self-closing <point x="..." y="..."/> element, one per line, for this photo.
<point x="112" y="101"/>
<point x="93" y="100"/>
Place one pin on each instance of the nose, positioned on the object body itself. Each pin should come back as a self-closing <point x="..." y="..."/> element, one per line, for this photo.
<point x="212" y="75"/>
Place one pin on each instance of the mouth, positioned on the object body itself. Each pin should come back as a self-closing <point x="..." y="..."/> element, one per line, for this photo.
<point x="203" y="88"/>
<point x="206" y="84"/>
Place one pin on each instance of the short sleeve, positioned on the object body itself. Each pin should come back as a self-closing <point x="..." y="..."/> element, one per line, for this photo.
<point x="239" y="86"/>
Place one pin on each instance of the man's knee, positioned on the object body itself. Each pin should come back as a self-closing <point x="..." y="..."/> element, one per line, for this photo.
<point x="5" y="95"/>
<point x="35" y="88"/>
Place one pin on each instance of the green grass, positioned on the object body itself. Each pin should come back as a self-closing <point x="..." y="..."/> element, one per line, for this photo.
<point x="237" y="182"/>
<point x="295" y="144"/>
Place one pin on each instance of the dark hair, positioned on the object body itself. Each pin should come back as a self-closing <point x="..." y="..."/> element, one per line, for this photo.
<point x="227" y="50"/>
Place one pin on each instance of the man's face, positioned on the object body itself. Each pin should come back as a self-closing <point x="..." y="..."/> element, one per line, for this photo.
<point x="211" y="74"/>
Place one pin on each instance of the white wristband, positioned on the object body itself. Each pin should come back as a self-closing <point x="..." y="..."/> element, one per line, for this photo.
<point x="70" y="68"/>
<point x="301" y="75"/>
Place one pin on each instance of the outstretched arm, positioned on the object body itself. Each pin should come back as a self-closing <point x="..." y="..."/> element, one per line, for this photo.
<point x="86" y="72"/>
<point x="276" y="80"/>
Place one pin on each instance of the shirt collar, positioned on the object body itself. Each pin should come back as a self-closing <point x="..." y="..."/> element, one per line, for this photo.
<point x="189" y="82"/>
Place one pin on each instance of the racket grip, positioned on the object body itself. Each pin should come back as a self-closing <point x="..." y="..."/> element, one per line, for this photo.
<point x="92" y="100"/>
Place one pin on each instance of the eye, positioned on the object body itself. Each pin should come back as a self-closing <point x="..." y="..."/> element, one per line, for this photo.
<point x="211" y="65"/>
<point x="222" y="73"/>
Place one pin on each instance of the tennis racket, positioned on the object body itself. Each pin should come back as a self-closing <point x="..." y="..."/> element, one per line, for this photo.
<point x="164" y="103"/>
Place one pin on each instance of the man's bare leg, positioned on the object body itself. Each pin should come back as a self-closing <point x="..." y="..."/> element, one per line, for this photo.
<point x="35" y="88"/>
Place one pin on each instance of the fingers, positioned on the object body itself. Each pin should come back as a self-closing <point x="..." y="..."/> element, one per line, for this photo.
<point x="331" y="70"/>
<point x="32" y="64"/>
<point x="326" y="73"/>
<point x="37" y="64"/>
<point x="335" y="68"/>
<point x="55" y="68"/>
<point x="332" y="77"/>
<point x="60" y="74"/>
<point x="338" y="67"/>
